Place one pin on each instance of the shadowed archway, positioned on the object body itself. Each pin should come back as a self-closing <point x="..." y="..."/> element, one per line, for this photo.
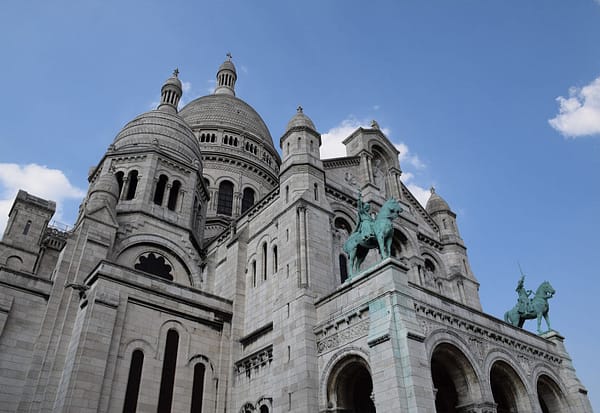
<point x="550" y="396"/>
<point x="509" y="391"/>
<point x="350" y="387"/>
<point x="455" y="382"/>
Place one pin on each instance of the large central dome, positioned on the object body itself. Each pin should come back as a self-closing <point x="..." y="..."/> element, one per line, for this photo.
<point x="226" y="111"/>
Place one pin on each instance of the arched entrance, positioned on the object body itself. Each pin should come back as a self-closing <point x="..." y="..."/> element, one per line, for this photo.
<point x="454" y="379"/>
<point x="549" y="395"/>
<point x="509" y="391"/>
<point x="350" y="387"/>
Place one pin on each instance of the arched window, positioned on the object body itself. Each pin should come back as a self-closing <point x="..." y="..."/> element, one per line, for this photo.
<point x="119" y="175"/>
<point x="27" y="226"/>
<point x="287" y="194"/>
<point x="316" y="190"/>
<point x="197" y="388"/>
<point x="275" y="259"/>
<point x="132" y="181"/>
<point x="264" y="409"/>
<point x="343" y="268"/>
<point x="429" y="265"/>
<point x="173" y="195"/>
<point x="159" y="193"/>
<point x="133" y="382"/>
<point x="254" y="273"/>
<point x="341" y="223"/>
<point x="247" y="199"/>
<point x="167" y="380"/>
<point x="264" y="262"/>
<point x="154" y="264"/>
<point x="225" y="203"/>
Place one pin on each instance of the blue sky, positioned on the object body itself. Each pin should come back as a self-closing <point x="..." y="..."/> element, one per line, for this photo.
<point x="495" y="103"/>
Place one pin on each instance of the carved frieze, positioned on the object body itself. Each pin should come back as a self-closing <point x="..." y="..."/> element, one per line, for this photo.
<point x="343" y="330"/>
<point x="477" y="333"/>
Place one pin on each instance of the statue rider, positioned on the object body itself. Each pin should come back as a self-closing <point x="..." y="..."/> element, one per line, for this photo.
<point x="363" y="216"/>
<point x="523" y="303"/>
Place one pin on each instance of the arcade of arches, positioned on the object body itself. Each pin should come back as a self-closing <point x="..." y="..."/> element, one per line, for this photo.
<point x="458" y="388"/>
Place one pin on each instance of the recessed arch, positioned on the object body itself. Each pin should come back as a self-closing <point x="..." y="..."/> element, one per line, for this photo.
<point x="350" y="386"/>
<point x="248" y="198"/>
<point x="400" y="244"/>
<point x="343" y="224"/>
<point x="510" y="394"/>
<point x="225" y="198"/>
<point x="455" y="381"/>
<point x="550" y="396"/>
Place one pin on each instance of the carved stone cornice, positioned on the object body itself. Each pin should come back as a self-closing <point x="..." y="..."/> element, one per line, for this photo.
<point x="253" y="362"/>
<point x="342" y="330"/>
<point x="429" y="241"/>
<point x="431" y="316"/>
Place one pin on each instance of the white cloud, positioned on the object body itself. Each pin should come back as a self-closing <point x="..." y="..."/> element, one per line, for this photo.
<point x="579" y="114"/>
<point x="38" y="180"/>
<point x="422" y="194"/>
<point x="332" y="147"/>
<point x="407" y="158"/>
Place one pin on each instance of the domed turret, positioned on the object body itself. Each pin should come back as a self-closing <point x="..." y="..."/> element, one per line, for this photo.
<point x="436" y="203"/>
<point x="441" y="213"/>
<point x="105" y="191"/>
<point x="158" y="129"/>
<point x="300" y="120"/>
<point x="301" y="142"/>
<point x="226" y="77"/>
<point x="170" y="94"/>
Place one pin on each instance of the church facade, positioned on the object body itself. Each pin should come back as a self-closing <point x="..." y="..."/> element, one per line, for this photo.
<point x="206" y="273"/>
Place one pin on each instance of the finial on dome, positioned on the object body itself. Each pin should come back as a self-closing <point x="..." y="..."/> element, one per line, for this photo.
<point x="432" y="190"/>
<point x="299" y="110"/>
<point x="226" y="77"/>
<point x="170" y="93"/>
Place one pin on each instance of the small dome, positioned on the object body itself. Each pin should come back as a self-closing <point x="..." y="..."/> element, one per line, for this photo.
<point x="300" y="120"/>
<point x="106" y="183"/>
<point x="436" y="204"/>
<point x="105" y="191"/>
<point x="227" y="65"/>
<point x="174" y="80"/>
<point x="159" y="129"/>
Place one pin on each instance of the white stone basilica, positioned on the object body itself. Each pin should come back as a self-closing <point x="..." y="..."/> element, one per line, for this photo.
<point x="205" y="273"/>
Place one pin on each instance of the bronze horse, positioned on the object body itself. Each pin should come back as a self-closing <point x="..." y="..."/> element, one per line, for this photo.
<point x="373" y="234"/>
<point x="537" y="307"/>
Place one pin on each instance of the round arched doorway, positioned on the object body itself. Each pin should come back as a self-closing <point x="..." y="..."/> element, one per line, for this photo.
<point x="454" y="379"/>
<point x="550" y="396"/>
<point x="350" y="387"/>
<point x="509" y="391"/>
